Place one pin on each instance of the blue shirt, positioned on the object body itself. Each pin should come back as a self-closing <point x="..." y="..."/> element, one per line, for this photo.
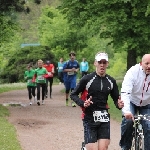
<point x="60" y="66"/>
<point x="69" y="65"/>
<point x="84" y="66"/>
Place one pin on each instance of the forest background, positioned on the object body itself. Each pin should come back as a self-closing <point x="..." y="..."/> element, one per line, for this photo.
<point x="50" y="29"/>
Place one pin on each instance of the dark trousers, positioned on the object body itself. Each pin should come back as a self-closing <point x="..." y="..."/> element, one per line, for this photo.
<point x="60" y="77"/>
<point x="50" y="80"/>
<point x="39" y="85"/>
<point x="31" y="91"/>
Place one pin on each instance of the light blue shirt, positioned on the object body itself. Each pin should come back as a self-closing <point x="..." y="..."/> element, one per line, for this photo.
<point x="84" y="66"/>
<point x="60" y="66"/>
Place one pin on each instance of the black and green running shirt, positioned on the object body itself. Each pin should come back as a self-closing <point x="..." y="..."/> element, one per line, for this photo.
<point x="39" y="72"/>
<point x="28" y="75"/>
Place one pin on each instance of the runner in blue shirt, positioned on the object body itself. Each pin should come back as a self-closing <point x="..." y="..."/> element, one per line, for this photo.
<point x="70" y="69"/>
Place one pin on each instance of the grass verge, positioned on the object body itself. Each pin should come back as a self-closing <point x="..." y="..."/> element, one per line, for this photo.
<point x="115" y="113"/>
<point x="8" y="140"/>
<point x="12" y="86"/>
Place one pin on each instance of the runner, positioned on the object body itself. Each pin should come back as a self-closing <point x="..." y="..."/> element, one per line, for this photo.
<point x="28" y="75"/>
<point x="84" y="67"/>
<point x="39" y="78"/>
<point x="50" y="69"/>
<point x="95" y="88"/>
<point x="70" y="69"/>
<point x="60" y="70"/>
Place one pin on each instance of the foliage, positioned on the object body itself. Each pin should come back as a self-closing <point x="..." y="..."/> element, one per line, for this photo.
<point x="117" y="65"/>
<point x="126" y="22"/>
<point x="54" y="31"/>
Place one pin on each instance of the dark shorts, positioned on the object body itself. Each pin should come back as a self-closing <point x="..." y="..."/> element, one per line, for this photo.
<point x="95" y="131"/>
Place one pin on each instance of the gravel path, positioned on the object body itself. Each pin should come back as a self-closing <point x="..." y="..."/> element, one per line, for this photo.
<point x="51" y="126"/>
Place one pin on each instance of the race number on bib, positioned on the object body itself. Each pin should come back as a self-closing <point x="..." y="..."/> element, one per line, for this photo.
<point x="60" y="67"/>
<point x="30" y="81"/>
<point x="40" y="78"/>
<point x="71" y="73"/>
<point x="101" y="116"/>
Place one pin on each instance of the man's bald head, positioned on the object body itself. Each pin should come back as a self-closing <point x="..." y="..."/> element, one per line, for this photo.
<point x="146" y="63"/>
<point x="145" y="57"/>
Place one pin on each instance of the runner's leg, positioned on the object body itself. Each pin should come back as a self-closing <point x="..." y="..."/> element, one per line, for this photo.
<point x="50" y="86"/>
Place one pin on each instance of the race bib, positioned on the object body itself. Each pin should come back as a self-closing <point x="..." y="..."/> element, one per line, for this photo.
<point x="101" y="116"/>
<point x="40" y="78"/>
<point x="60" y="67"/>
<point x="29" y="81"/>
<point x="70" y="73"/>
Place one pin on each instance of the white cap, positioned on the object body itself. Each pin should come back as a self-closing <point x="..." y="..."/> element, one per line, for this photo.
<point x="100" y="56"/>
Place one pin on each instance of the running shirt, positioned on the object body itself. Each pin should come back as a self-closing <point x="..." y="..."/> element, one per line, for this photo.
<point x="97" y="87"/>
<point x="50" y="69"/>
<point x="60" y="66"/>
<point x="28" y="75"/>
<point x="69" y="65"/>
<point x="40" y="72"/>
<point x="84" y="66"/>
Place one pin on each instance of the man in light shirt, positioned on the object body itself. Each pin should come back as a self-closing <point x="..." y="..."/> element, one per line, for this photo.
<point x="135" y="93"/>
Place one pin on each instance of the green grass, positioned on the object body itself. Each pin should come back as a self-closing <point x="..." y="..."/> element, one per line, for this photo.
<point x="8" y="140"/>
<point x="12" y="86"/>
<point x="115" y="113"/>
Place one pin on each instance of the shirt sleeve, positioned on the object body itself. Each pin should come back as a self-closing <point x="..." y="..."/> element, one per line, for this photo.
<point x="115" y="94"/>
<point x="126" y="89"/>
<point x="79" y="89"/>
<point x="65" y="66"/>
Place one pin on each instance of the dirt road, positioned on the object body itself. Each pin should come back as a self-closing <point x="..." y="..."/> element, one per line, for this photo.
<point x="51" y="126"/>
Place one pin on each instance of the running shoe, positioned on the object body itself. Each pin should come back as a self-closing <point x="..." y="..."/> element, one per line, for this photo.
<point x="42" y="102"/>
<point x="30" y="103"/>
<point x="38" y="102"/>
<point x="73" y="104"/>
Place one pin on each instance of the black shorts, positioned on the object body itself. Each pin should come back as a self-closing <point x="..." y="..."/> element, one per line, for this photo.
<point x="95" y="131"/>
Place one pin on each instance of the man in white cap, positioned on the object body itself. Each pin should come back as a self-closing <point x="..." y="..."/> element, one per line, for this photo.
<point x="95" y="88"/>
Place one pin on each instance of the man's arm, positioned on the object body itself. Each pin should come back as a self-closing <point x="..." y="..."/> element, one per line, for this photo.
<point x="127" y="86"/>
<point x="115" y="95"/>
<point x="79" y="89"/>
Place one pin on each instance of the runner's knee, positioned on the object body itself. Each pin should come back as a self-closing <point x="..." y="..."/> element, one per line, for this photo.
<point x="67" y="91"/>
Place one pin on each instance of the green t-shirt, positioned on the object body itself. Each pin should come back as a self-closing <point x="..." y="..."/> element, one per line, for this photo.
<point x="39" y="75"/>
<point x="28" y="75"/>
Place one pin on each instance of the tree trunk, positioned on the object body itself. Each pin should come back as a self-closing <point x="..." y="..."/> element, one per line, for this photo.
<point x="131" y="58"/>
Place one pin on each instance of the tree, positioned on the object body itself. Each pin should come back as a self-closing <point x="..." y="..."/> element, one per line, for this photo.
<point x="8" y="17"/>
<point x="54" y="31"/>
<point x="125" y="22"/>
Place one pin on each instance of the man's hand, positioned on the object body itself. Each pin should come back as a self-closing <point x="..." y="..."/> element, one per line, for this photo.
<point x="88" y="102"/>
<point x="120" y="103"/>
<point x="129" y="116"/>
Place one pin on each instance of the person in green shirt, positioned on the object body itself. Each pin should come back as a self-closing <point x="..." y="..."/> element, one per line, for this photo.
<point x="28" y="75"/>
<point x="40" y="79"/>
